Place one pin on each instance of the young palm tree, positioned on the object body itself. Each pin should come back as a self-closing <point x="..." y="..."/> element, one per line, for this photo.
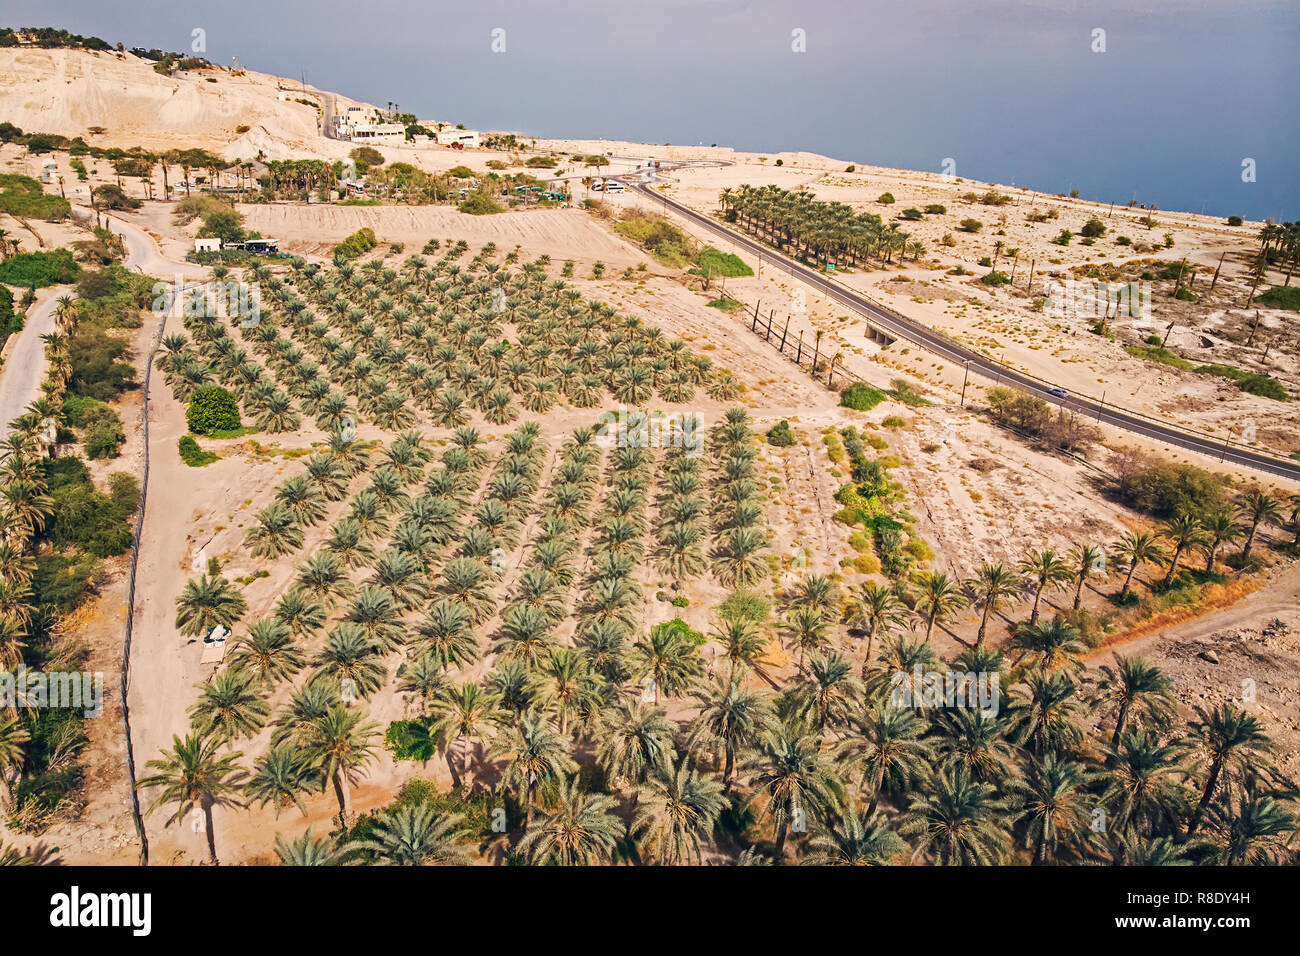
<point x="828" y="692"/>
<point x="1133" y="685"/>
<point x="1048" y="645"/>
<point x="1043" y="568"/>
<point x="676" y="815"/>
<point x="581" y="830"/>
<point x="277" y="532"/>
<point x="806" y="628"/>
<point x="310" y="850"/>
<point x="957" y="821"/>
<point x="192" y="776"/>
<point x="416" y="836"/>
<point x="206" y="603"/>
<point x="267" y="652"/>
<point x="1137" y="548"/>
<point x="991" y="585"/>
<point x="13" y="735"/>
<point x="338" y="746"/>
<point x="854" y="838"/>
<point x="1224" y="740"/>
<point x="937" y="598"/>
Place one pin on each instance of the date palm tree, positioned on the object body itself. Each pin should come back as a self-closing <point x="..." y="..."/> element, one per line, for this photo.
<point x="581" y="830"/>
<point x="794" y="779"/>
<point x="957" y="821"/>
<point x="533" y="753"/>
<point x="1048" y="645"/>
<point x="741" y="642"/>
<point x="463" y="713"/>
<point x="853" y="838"/>
<point x="677" y="813"/>
<point x="229" y="707"/>
<point x="1220" y="529"/>
<point x="193" y="777"/>
<point x="633" y="740"/>
<point x="1137" y="548"/>
<point x="876" y="608"/>
<point x="730" y="719"/>
<point x="991" y="585"/>
<point x="1184" y="533"/>
<point x="279" y="779"/>
<point x="13" y="735"/>
<point x="937" y="598"/>
<point x="417" y="836"/>
<point x="1043" y="568"/>
<point x="885" y="745"/>
<point x="1258" y="507"/>
<point x="338" y="745"/>
<point x="276" y="533"/>
<point x="1133" y="686"/>
<point x="1086" y="559"/>
<point x="1055" y="807"/>
<point x="1224" y="740"/>
<point x="666" y="657"/>
<point x="311" y="850"/>
<point x="206" y="603"/>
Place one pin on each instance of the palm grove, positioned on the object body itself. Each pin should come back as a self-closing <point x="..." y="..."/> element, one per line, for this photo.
<point x="499" y="585"/>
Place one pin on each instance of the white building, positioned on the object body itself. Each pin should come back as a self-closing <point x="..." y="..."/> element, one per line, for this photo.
<point x="50" y="172"/>
<point x="467" y="138"/>
<point x="393" y="134"/>
<point x="207" y="245"/>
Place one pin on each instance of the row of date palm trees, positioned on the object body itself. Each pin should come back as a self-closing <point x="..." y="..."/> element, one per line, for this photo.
<point x="797" y="222"/>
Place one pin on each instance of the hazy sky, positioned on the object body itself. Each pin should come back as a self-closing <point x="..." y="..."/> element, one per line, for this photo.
<point x="1011" y="90"/>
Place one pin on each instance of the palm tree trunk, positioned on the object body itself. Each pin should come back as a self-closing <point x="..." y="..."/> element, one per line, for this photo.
<point x="341" y="794"/>
<point x="1128" y="580"/>
<point x="729" y="763"/>
<point x="781" y="831"/>
<point x="211" y="832"/>
<point x="1173" y="566"/>
<point x="1120" y="720"/>
<point x="1210" y="784"/>
<point x="1038" y="595"/>
<point x="1078" y="591"/>
<point x="984" y="623"/>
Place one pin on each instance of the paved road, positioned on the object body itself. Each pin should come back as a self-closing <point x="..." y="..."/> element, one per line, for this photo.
<point x="24" y="367"/>
<point x="979" y="364"/>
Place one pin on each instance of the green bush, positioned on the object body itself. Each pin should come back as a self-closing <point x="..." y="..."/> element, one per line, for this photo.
<point x="1281" y="297"/>
<point x="971" y="225"/>
<point x="357" y="244"/>
<point x="861" y="397"/>
<point x="714" y="262"/>
<point x="192" y="454"/>
<point x="913" y="215"/>
<point x="39" y="269"/>
<point x="935" y="209"/>
<point x="24" y="196"/>
<point x="212" y="409"/>
<point x="994" y="277"/>
<point x="83" y="518"/>
<point x="1251" y="382"/>
<point x="480" y="203"/>
<point x="1093" y="228"/>
<point x="1167" y="489"/>
<point x="1234" y="220"/>
<point x="886" y="199"/>
<point x="102" y="432"/>
<point x="781" y="435"/>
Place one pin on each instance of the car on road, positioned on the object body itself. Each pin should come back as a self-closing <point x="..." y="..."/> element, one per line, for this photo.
<point x="1058" y="392"/>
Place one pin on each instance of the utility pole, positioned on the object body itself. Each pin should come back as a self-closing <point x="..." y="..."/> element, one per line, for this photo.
<point x="964" y="377"/>
<point x="1101" y="405"/>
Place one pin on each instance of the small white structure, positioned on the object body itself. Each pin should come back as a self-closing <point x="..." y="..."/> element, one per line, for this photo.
<point x="50" y="172"/>
<point x="467" y="138"/>
<point x="207" y="245"/>
<point x="390" y="133"/>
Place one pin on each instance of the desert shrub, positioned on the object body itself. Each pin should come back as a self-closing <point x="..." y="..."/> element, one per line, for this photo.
<point x="192" y="454"/>
<point x="935" y="209"/>
<point x="10" y="321"/>
<point x="893" y="421"/>
<point x="1063" y="239"/>
<point x="781" y="435"/>
<point x="913" y="215"/>
<point x="112" y="196"/>
<point x="1234" y="220"/>
<point x="861" y="397"/>
<point x="480" y="203"/>
<point x="714" y="262"/>
<point x="1281" y="297"/>
<point x="124" y="490"/>
<point x="971" y="225"/>
<point x="212" y="409"/>
<point x="886" y="199"/>
<point x="657" y="235"/>
<point x="745" y="605"/>
<point x="995" y="278"/>
<point x="1251" y="382"/>
<point x="1093" y="228"/>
